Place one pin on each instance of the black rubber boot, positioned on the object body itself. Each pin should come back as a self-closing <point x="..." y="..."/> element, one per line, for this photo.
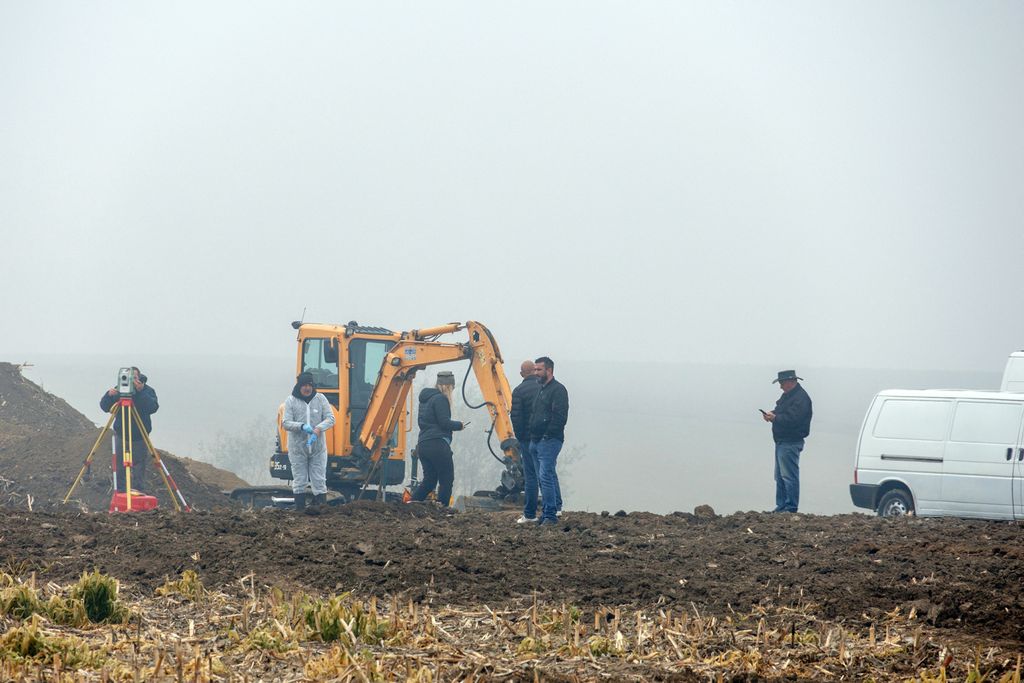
<point x="314" y="509"/>
<point x="300" y="502"/>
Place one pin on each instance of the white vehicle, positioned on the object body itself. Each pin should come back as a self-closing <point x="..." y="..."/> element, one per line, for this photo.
<point x="942" y="452"/>
<point x="1013" y="375"/>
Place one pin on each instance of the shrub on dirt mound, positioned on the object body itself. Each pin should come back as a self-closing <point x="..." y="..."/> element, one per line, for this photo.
<point x="43" y="444"/>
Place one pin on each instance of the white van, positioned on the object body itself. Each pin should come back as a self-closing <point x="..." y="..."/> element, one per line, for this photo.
<point x="940" y="452"/>
<point x="1013" y="375"/>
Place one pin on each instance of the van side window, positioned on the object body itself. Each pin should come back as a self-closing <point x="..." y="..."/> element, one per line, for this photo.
<point x="984" y="422"/>
<point x="918" y="420"/>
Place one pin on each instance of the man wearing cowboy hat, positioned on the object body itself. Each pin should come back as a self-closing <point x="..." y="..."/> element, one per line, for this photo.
<point x="791" y="423"/>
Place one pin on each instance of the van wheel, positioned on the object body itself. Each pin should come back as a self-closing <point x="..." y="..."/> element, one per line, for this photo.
<point x="895" y="503"/>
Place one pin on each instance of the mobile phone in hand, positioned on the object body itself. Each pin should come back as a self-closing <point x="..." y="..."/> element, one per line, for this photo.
<point x="762" y="412"/>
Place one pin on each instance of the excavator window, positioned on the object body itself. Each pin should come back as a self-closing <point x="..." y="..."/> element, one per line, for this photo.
<point x="320" y="359"/>
<point x="365" y="358"/>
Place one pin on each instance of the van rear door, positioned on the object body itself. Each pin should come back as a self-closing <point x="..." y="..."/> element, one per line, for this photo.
<point x="977" y="471"/>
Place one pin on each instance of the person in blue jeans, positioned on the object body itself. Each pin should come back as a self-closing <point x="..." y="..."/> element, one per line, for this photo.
<point x="523" y="397"/>
<point x="791" y="424"/>
<point x="547" y="434"/>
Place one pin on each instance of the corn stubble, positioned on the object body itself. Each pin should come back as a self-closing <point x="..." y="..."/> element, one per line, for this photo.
<point x="183" y="630"/>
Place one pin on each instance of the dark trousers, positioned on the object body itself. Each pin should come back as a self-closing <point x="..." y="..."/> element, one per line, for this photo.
<point x="530" y="480"/>
<point x="438" y="470"/>
<point x="140" y="456"/>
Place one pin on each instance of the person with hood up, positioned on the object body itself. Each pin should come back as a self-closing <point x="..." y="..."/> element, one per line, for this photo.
<point x="307" y="415"/>
<point x="434" y="446"/>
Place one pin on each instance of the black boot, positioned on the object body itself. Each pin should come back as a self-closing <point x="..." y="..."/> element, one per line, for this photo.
<point x="300" y="502"/>
<point x="318" y="500"/>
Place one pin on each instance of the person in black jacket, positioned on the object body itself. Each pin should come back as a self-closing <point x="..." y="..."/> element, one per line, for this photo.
<point x="145" y="403"/>
<point x="547" y="433"/>
<point x="433" y="448"/>
<point x="523" y="397"/>
<point x="791" y="423"/>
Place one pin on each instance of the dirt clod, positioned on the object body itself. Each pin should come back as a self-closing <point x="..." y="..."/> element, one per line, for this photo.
<point x="704" y="512"/>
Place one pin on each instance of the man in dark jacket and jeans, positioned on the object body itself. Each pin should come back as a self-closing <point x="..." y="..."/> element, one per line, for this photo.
<point x="145" y="404"/>
<point x="523" y="397"/>
<point x="547" y="432"/>
<point x="791" y="423"/>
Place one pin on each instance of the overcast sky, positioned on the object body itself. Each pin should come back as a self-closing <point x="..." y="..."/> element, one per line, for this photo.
<point x="788" y="183"/>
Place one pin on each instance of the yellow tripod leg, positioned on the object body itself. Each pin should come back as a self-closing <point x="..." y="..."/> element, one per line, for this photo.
<point x="126" y="452"/>
<point x="88" y="458"/>
<point x="156" y="459"/>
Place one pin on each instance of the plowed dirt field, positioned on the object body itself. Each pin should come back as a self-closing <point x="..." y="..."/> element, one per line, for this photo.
<point x="854" y="568"/>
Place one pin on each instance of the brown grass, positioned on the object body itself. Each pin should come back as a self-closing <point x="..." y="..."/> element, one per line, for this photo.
<point x="186" y="631"/>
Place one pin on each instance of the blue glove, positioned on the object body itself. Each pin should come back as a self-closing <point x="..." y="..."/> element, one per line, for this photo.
<point x="311" y="440"/>
<point x="307" y="429"/>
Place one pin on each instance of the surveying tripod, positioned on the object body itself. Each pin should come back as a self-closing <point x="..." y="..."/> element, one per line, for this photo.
<point x="125" y="407"/>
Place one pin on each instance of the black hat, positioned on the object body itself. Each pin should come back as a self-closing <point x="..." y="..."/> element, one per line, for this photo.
<point x="446" y="377"/>
<point x="786" y="374"/>
<point x="305" y="378"/>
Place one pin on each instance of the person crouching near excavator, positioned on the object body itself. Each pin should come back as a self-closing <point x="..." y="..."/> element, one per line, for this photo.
<point x="434" y="446"/>
<point x="307" y="415"/>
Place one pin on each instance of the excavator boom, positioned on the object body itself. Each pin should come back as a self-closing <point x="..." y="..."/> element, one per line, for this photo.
<point x="419" y="349"/>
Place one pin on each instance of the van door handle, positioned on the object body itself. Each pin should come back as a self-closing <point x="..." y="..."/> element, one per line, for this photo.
<point x="1009" y="453"/>
<point x="1020" y="453"/>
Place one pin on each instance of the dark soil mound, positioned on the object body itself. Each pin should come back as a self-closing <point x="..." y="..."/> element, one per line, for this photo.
<point x="44" y="442"/>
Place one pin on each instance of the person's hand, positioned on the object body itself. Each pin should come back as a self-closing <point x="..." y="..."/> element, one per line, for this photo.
<point x="311" y="440"/>
<point x="112" y="392"/>
<point x="317" y="431"/>
<point x="137" y="383"/>
<point x="307" y="429"/>
<point x="463" y="425"/>
<point x="769" y="416"/>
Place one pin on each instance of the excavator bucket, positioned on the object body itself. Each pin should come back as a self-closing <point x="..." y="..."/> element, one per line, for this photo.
<point x="489" y="501"/>
<point x="481" y="503"/>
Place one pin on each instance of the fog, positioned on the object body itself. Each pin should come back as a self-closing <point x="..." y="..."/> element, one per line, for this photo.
<point x="672" y="200"/>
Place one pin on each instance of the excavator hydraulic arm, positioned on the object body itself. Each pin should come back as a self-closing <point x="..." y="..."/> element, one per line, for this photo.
<point x="418" y="349"/>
